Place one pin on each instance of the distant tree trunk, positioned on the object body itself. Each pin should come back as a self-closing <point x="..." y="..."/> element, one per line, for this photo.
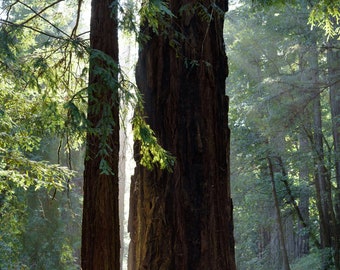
<point x="303" y="225"/>
<point x="323" y="191"/>
<point x="267" y="250"/>
<point x="322" y="179"/>
<point x="301" y="210"/>
<point x="284" y="254"/>
<point x="290" y="235"/>
<point x="183" y="220"/>
<point x="333" y="60"/>
<point x="309" y="69"/>
<point x="100" y="227"/>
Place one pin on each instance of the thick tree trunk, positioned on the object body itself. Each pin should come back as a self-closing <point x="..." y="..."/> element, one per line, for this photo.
<point x="183" y="220"/>
<point x="100" y="228"/>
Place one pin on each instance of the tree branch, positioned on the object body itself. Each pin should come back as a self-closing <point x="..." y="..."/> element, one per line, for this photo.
<point x="74" y="30"/>
<point x="38" y="14"/>
<point x="32" y="28"/>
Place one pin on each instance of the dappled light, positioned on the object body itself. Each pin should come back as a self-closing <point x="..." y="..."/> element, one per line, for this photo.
<point x="170" y="135"/>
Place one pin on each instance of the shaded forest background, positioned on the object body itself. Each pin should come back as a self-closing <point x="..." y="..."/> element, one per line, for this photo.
<point x="283" y="84"/>
<point x="284" y="110"/>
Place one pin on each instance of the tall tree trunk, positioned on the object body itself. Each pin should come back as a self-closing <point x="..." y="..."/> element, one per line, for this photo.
<point x="323" y="189"/>
<point x="183" y="220"/>
<point x="283" y="250"/>
<point x="322" y="181"/>
<point x="100" y="227"/>
<point x="333" y="60"/>
<point x="303" y="225"/>
<point x="323" y="194"/>
<point x="300" y="210"/>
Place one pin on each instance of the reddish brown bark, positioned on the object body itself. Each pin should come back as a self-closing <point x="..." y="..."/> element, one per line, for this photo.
<point x="100" y="228"/>
<point x="183" y="220"/>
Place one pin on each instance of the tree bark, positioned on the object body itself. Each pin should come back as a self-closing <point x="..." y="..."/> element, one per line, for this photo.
<point x="284" y="254"/>
<point x="322" y="178"/>
<point x="323" y="189"/>
<point x="183" y="220"/>
<point x="333" y="61"/>
<point x="303" y="225"/>
<point x="100" y="227"/>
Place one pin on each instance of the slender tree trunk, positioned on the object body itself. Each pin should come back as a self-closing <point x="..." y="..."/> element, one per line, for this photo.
<point x="322" y="179"/>
<point x="300" y="210"/>
<point x="183" y="220"/>
<point x="333" y="60"/>
<point x="323" y="189"/>
<point x="290" y="235"/>
<point x="323" y="195"/>
<point x="309" y="69"/>
<point x="284" y="254"/>
<point x="303" y="225"/>
<point x="100" y="227"/>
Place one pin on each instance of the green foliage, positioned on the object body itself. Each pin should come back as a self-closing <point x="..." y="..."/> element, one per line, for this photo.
<point x="269" y="3"/>
<point x="326" y="15"/>
<point x="127" y="17"/>
<point x="151" y="152"/>
<point x="112" y="77"/>
<point x="103" y="97"/>
<point x="38" y="231"/>
<point x="156" y="14"/>
<point x="54" y="220"/>
<point x="44" y="66"/>
<point x="270" y="111"/>
<point x="311" y="261"/>
<point x="12" y="218"/>
<point x="41" y="69"/>
<point x="24" y="121"/>
<point x="24" y="172"/>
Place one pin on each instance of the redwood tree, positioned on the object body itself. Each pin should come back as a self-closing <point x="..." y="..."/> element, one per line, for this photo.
<point x="100" y="228"/>
<point x="183" y="219"/>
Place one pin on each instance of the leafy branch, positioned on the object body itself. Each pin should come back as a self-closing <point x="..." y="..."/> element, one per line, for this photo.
<point x="24" y="172"/>
<point x="326" y="15"/>
<point x="151" y="152"/>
